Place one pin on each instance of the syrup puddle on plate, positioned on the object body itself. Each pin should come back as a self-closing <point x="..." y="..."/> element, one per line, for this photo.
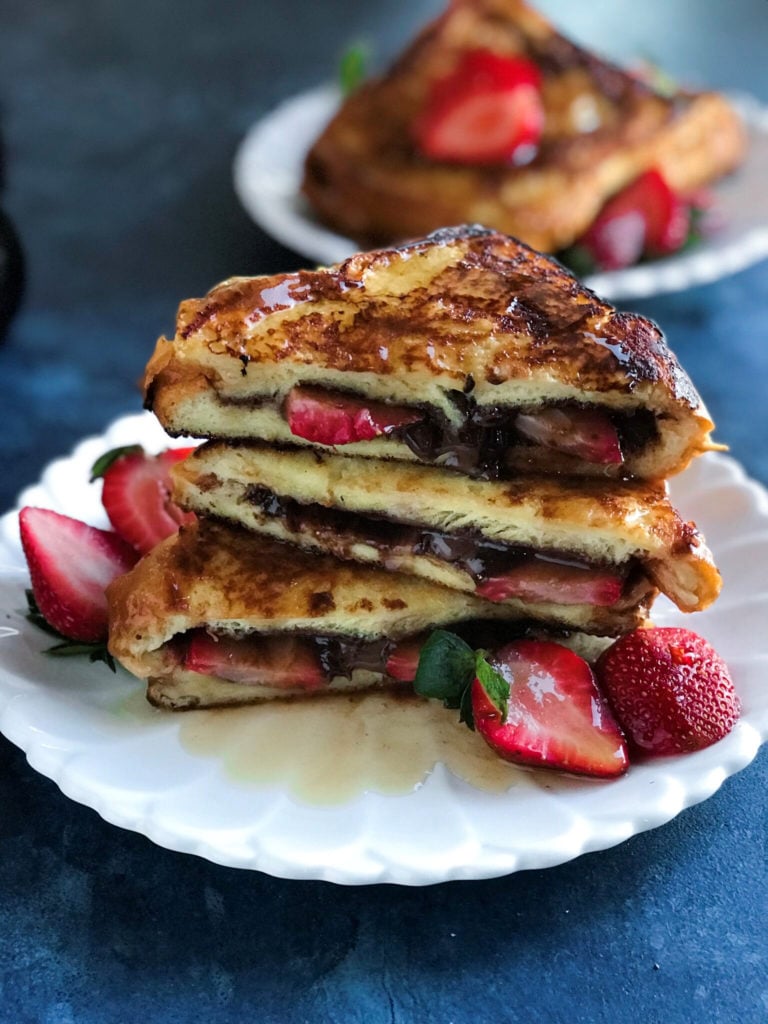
<point x="331" y="750"/>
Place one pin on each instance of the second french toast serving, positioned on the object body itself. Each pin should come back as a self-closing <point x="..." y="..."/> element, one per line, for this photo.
<point x="492" y="115"/>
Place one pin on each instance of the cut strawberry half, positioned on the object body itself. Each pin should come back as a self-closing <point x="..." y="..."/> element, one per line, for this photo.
<point x="587" y="434"/>
<point x="285" y="662"/>
<point x="488" y="110"/>
<point x="556" y="716"/>
<point x="404" y="660"/>
<point x="70" y="565"/>
<point x="328" y="417"/>
<point x="645" y="218"/>
<point x="539" y="579"/>
<point x="137" y="497"/>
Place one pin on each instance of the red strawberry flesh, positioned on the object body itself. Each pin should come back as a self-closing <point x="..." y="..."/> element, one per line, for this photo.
<point x="667" y="215"/>
<point x="616" y="239"/>
<point x="556" y="717"/>
<point x="332" y="418"/>
<point x="71" y="565"/>
<point x="487" y="110"/>
<point x="539" y="579"/>
<point x="404" y="660"/>
<point x="137" y="497"/>
<point x="587" y="434"/>
<point x="644" y="218"/>
<point x="284" y="662"/>
<point x="669" y="688"/>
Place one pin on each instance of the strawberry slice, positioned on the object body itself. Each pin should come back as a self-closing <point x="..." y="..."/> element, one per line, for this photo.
<point x="137" y="496"/>
<point x="556" y="716"/>
<point x="71" y="564"/>
<point x="667" y="215"/>
<point x="586" y="433"/>
<point x="287" y="662"/>
<point x="404" y="660"/>
<point x="328" y="417"/>
<point x="487" y="110"/>
<point x="539" y="579"/>
<point x="669" y="688"/>
<point x="645" y="218"/>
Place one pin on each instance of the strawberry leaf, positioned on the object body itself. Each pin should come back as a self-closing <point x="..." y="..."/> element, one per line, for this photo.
<point x="353" y="67"/>
<point x="102" y="464"/>
<point x="466" y="711"/>
<point x="446" y="669"/>
<point x="493" y="683"/>
<point x="578" y="259"/>
<point x="72" y="648"/>
<point x="66" y="648"/>
<point x="655" y="76"/>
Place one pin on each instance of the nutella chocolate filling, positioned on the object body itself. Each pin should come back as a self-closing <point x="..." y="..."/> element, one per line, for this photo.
<point x="498" y="570"/>
<point x="490" y="441"/>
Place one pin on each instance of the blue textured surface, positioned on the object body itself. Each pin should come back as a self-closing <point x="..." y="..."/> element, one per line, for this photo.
<point x="120" y="122"/>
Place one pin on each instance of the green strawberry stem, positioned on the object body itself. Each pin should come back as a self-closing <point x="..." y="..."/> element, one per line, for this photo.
<point x="66" y="648"/>
<point x="447" y="668"/>
<point x="353" y="67"/>
<point x="102" y="464"/>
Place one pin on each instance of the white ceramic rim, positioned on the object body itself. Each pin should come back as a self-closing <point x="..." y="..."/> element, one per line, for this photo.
<point x="135" y="773"/>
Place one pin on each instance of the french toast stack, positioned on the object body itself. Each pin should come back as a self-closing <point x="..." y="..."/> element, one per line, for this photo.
<point x="452" y="433"/>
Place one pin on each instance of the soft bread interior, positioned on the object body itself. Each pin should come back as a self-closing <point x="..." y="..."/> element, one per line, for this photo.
<point x="181" y="690"/>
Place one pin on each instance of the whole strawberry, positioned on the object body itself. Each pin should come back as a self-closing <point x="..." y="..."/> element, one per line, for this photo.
<point x="670" y="690"/>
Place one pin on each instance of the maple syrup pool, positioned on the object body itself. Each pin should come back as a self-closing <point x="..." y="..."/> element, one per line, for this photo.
<point x="331" y="750"/>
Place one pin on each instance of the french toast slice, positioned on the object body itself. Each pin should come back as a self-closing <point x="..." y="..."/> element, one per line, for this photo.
<point x="214" y="616"/>
<point x="602" y="128"/>
<point x="581" y="553"/>
<point x="472" y="343"/>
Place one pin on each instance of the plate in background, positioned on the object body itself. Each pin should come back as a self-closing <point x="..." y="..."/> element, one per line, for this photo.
<point x="268" y="170"/>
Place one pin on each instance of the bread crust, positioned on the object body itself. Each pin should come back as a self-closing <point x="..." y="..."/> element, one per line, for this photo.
<point x="463" y="312"/>
<point x="603" y="128"/>
<point x="225" y="579"/>
<point x="608" y="525"/>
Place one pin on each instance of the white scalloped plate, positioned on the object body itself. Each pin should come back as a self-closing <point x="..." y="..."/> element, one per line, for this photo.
<point x="268" y="170"/>
<point x="94" y="734"/>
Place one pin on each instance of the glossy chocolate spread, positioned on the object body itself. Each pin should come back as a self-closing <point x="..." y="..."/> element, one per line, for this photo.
<point x="487" y="440"/>
<point x="467" y="550"/>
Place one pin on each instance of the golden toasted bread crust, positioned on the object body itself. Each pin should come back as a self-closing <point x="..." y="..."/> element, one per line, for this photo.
<point x="605" y="524"/>
<point x="181" y="690"/>
<point x="603" y="127"/>
<point x="233" y="581"/>
<point x="463" y="310"/>
<point x="229" y="581"/>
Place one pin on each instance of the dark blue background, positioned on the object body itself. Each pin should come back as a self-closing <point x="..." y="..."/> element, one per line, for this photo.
<point x="120" y="122"/>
